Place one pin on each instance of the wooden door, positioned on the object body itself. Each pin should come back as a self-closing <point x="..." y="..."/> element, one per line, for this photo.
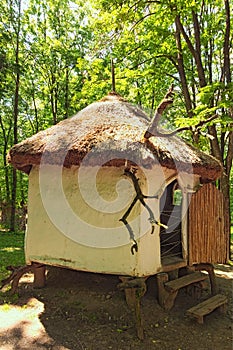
<point x="208" y="243"/>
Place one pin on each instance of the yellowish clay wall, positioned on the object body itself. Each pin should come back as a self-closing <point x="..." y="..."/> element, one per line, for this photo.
<point x="73" y="219"/>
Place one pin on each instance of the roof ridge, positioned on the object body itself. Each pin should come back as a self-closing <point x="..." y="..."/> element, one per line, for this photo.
<point x="113" y="96"/>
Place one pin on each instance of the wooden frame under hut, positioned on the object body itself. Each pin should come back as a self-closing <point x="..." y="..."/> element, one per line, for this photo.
<point x="110" y="193"/>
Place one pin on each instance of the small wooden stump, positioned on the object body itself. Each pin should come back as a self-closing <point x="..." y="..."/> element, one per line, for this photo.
<point x="218" y="301"/>
<point x="134" y="289"/>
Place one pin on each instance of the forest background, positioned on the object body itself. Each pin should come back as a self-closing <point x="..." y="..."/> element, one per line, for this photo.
<point x="55" y="59"/>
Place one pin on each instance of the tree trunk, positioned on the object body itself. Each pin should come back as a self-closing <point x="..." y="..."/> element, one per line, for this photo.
<point x="13" y="200"/>
<point x="15" y="118"/>
<point x="35" y="107"/>
<point x="6" y="135"/>
<point x="196" y="55"/>
<point x="225" y="180"/>
<point x="181" y="70"/>
<point x="14" y="173"/>
<point x="52" y="99"/>
<point x="226" y="48"/>
<point x="67" y="94"/>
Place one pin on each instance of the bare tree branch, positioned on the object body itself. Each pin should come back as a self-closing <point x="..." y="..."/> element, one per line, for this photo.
<point x="141" y="197"/>
<point x="172" y="59"/>
<point x="193" y="128"/>
<point x="142" y="19"/>
<point x="145" y="3"/>
<point x="153" y="127"/>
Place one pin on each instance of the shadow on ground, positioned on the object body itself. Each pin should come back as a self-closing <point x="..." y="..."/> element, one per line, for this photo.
<point x="84" y="311"/>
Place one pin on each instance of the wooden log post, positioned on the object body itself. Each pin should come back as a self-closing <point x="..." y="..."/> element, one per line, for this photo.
<point x="134" y="289"/>
<point x="139" y="292"/>
<point x="129" y="292"/>
<point x="39" y="275"/>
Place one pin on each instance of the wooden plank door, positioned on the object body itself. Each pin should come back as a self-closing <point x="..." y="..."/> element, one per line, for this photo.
<point x="208" y="242"/>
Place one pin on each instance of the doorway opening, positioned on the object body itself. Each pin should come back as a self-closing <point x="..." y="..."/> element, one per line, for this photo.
<point x="171" y="216"/>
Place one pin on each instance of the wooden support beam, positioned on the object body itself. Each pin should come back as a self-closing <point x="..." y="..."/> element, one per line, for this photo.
<point x="39" y="276"/>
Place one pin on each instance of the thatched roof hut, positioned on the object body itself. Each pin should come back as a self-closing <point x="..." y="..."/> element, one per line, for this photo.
<point x="83" y="216"/>
<point x="116" y="126"/>
<point x="68" y="221"/>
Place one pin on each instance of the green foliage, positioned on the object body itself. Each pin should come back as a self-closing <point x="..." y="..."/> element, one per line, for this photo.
<point x="52" y="36"/>
<point x="64" y="63"/>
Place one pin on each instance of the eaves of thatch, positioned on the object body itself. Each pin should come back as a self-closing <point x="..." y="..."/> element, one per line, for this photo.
<point x="109" y="132"/>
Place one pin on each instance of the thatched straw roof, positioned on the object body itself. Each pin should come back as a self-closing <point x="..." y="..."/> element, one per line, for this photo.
<point x="110" y="131"/>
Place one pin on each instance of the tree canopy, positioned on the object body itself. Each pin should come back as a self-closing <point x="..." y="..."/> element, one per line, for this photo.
<point x="55" y="59"/>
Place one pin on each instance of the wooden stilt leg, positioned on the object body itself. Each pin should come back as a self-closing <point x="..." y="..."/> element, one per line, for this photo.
<point x="129" y="293"/>
<point x="39" y="276"/>
<point x="162" y="294"/>
<point x="134" y="290"/>
<point x="138" y="316"/>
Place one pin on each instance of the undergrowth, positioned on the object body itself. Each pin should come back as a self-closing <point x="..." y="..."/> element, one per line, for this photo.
<point x="11" y="253"/>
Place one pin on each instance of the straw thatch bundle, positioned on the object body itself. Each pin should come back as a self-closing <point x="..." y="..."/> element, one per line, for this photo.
<point x="111" y="129"/>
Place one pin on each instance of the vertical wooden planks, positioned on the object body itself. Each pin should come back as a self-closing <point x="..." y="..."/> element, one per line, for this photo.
<point x="207" y="239"/>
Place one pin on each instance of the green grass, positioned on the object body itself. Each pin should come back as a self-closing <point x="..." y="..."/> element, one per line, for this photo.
<point x="11" y="251"/>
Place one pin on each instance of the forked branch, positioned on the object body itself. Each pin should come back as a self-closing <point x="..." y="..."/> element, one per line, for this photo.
<point x="131" y="173"/>
<point x="153" y="127"/>
<point x="168" y="100"/>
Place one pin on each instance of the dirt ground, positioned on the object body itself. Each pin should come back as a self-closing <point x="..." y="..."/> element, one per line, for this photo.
<point x="84" y="311"/>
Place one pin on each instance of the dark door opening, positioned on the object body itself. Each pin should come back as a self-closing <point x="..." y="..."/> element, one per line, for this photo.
<point x="171" y="216"/>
